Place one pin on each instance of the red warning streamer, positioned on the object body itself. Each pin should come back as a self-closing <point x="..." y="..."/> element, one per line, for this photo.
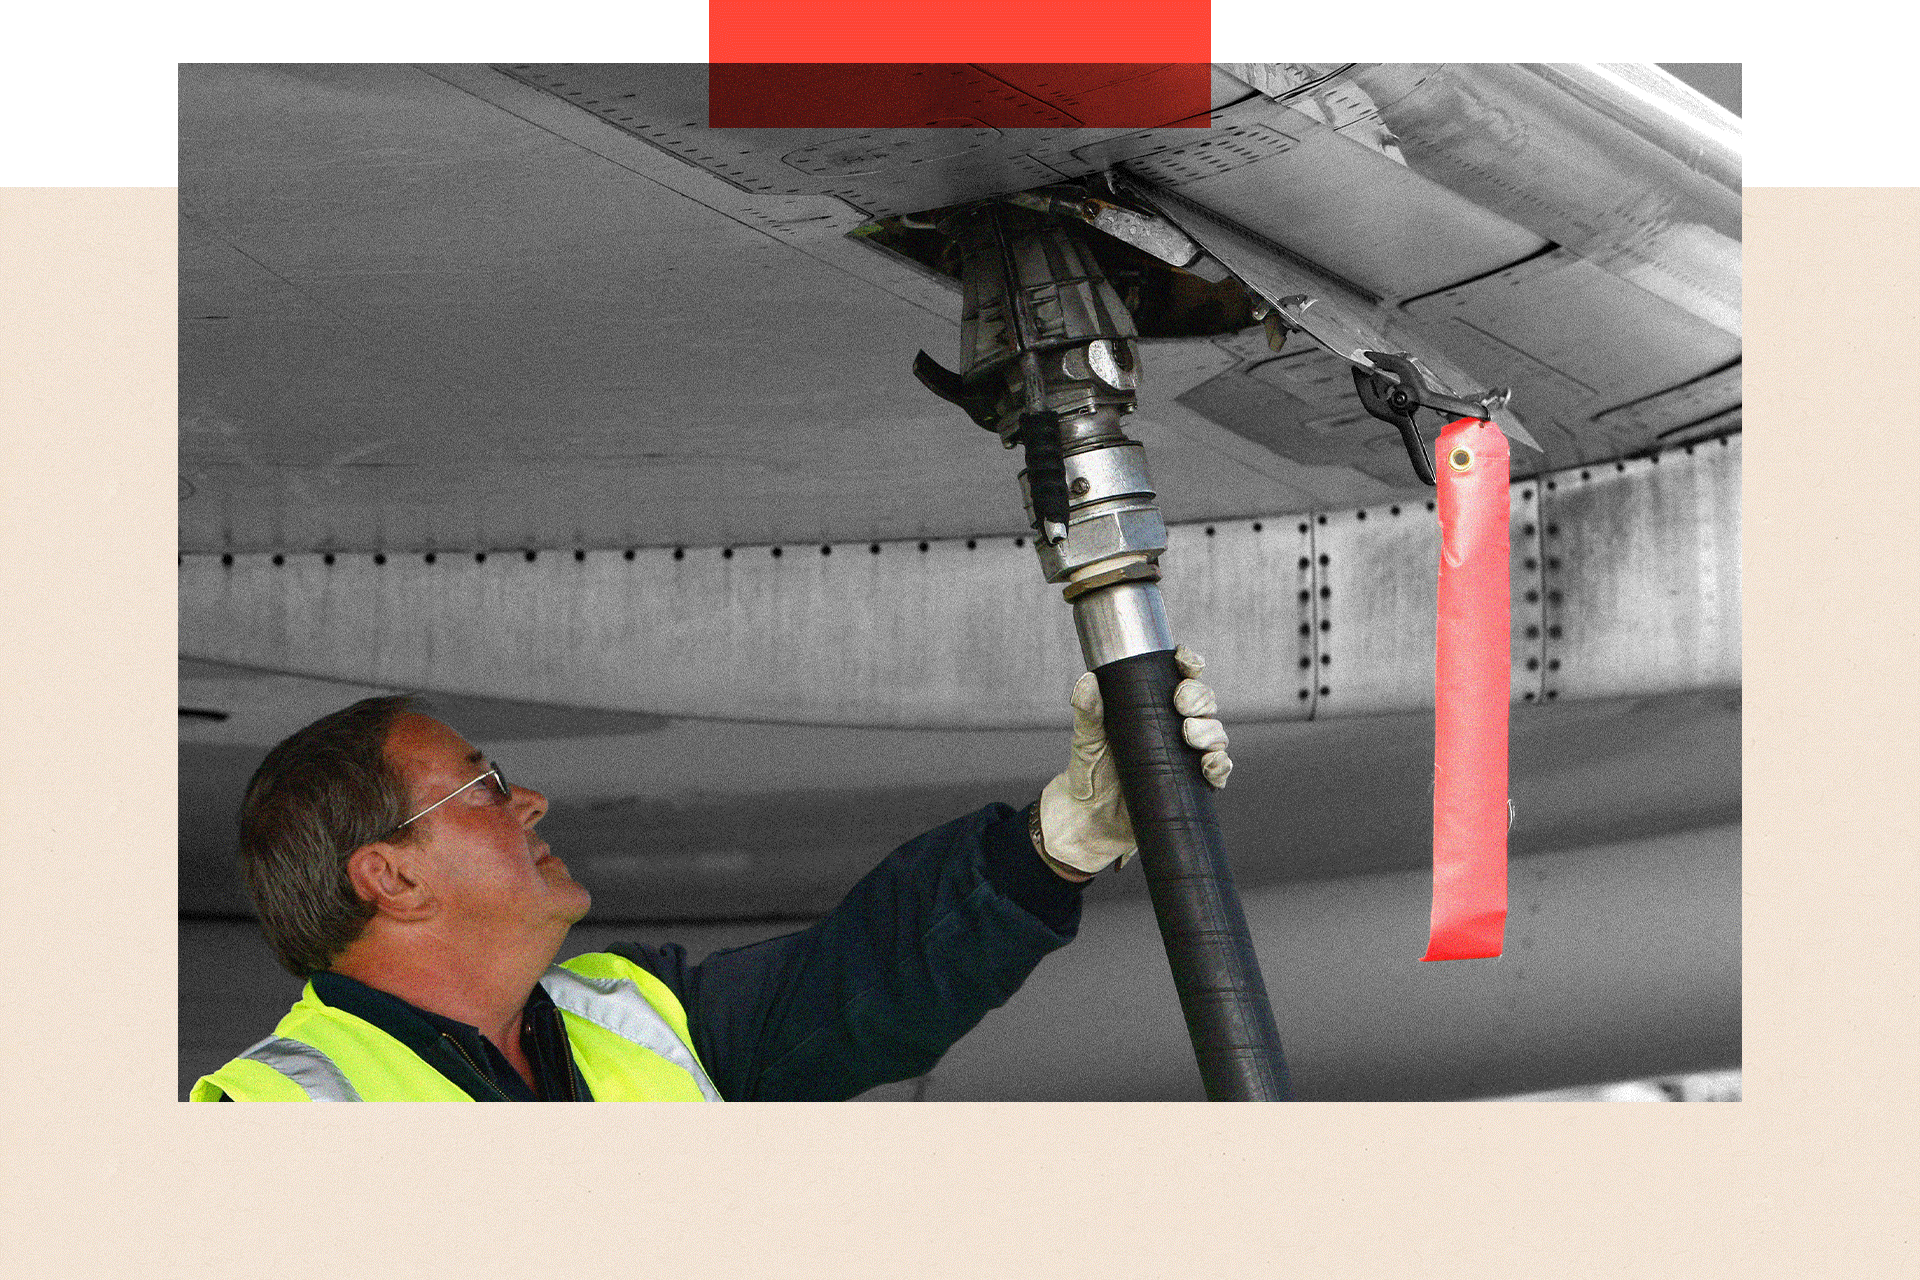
<point x="1472" y="689"/>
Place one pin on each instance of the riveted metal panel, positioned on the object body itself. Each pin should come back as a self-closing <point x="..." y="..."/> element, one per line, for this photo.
<point x="1173" y="162"/>
<point x="1625" y="581"/>
<point x="1528" y="579"/>
<point x="964" y="633"/>
<point x="1376" y="570"/>
<point x="1377" y="588"/>
<point x="1238" y="592"/>
<point x="949" y="635"/>
<point x="1643" y="574"/>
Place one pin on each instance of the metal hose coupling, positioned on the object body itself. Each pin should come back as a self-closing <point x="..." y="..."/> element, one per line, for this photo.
<point x="1050" y="361"/>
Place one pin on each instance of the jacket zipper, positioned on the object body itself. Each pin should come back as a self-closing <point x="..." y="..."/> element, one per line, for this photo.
<point x="556" y="1027"/>
<point x="468" y="1059"/>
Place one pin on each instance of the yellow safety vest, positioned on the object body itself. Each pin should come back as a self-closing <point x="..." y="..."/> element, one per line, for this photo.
<point x="627" y="1031"/>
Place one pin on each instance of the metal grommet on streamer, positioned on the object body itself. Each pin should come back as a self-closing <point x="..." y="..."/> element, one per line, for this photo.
<point x="1460" y="458"/>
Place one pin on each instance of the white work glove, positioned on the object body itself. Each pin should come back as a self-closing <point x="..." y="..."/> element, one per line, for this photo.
<point x="1083" y="817"/>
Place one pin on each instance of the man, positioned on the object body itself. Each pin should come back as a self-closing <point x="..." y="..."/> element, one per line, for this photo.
<point x="394" y="867"/>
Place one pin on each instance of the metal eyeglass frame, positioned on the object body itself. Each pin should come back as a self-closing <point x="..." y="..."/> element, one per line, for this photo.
<point x="493" y="771"/>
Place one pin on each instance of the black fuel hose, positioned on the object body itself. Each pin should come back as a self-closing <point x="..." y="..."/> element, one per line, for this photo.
<point x="1209" y="949"/>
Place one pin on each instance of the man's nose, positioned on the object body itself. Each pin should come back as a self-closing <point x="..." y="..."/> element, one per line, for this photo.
<point x="532" y="804"/>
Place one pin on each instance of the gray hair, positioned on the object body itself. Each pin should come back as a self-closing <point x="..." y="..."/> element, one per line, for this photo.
<point x="318" y="796"/>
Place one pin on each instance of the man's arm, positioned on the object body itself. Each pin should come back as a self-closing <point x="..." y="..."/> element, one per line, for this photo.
<point x="946" y="928"/>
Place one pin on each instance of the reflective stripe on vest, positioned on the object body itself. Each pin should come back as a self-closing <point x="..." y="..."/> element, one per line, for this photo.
<point x="627" y="1031"/>
<point x="306" y="1066"/>
<point x="616" y="1005"/>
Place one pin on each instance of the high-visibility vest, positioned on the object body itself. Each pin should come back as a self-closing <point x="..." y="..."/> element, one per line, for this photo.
<point x="627" y="1031"/>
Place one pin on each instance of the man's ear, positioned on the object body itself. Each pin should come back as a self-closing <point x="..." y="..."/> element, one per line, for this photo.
<point x="383" y="874"/>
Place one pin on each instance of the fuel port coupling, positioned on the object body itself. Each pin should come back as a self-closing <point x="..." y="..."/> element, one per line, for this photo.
<point x="1050" y="362"/>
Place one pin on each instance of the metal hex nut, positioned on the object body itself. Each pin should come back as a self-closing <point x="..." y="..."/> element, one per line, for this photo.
<point x="1103" y="535"/>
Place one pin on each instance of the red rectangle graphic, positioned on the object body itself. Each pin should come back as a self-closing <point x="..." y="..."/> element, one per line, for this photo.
<point x="1146" y="31"/>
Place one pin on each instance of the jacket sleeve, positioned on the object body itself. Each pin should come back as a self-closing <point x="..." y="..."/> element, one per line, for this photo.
<point x="947" y="927"/>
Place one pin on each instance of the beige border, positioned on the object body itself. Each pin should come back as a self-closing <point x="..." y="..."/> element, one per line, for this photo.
<point x="105" y="1175"/>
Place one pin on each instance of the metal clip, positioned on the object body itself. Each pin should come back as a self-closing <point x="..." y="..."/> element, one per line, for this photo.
<point x="1397" y="385"/>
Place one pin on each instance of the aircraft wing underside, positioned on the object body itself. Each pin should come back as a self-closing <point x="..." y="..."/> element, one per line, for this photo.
<point x="545" y="306"/>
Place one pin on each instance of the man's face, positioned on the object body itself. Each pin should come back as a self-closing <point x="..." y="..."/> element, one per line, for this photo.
<point x="493" y="878"/>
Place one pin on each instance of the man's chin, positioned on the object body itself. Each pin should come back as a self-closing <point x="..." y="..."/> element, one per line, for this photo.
<point x="564" y="887"/>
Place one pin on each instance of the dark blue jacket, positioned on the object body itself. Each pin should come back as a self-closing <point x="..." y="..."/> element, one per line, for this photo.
<point x="946" y="928"/>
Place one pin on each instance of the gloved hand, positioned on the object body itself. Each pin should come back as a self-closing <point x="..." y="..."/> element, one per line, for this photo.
<point x="1083" y="817"/>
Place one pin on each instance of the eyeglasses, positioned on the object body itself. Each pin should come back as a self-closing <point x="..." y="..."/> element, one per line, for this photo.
<point x="502" y="793"/>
